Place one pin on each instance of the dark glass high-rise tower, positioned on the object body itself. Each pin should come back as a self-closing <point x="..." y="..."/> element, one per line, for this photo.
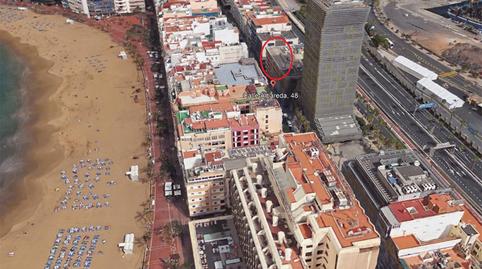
<point x="333" y="40"/>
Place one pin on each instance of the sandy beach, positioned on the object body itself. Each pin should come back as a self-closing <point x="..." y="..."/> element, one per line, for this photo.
<point x="82" y="106"/>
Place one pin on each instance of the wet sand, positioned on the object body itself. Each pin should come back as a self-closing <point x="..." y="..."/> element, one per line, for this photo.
<point x="81" y="101"/>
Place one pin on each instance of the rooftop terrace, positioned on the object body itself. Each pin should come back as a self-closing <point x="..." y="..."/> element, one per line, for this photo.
<point x="215" y="243"/>
<point x="243" y="73"/>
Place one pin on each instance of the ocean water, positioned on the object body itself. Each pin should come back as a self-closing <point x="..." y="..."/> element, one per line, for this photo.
<point x="11" y="73"/>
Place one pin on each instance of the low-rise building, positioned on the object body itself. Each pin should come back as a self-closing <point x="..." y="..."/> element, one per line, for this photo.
<point x="272" y="39"/>
<point x="198" y="8"/>
<point x="436" y="230"/>
<point x="390" y="176"/>
<point x="244" y="72"/>
<point x="244" y="130"/>
<point x="269" y="115"/>
<point x="207" y="132"/>
<point x="277" y="64"/>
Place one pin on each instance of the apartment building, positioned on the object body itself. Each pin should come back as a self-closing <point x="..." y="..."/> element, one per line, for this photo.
<point x="104" y="7"/>
<point x="245" y="131"/>
<point x="77" y="6"/>
<point x="266" y="39"/>
<point x="199" y="8"/>
<point x="264" y="240"/>
<point x="277" y="64"/>
<point x="269" y="115"/>
<point x="239" y="8"/>
<point x="205" y="182"/>
<point x="207" y="132"/>
<point x="430" y="231"/>
<point x="244" y="72"/>
<point x="215" y="243"/>
<point x="296" y="210"/>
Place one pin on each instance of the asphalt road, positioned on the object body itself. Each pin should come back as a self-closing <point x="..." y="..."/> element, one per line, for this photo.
<point x="460" y="86"/>
<point x="422" y="128"/>
<point x="399" y="106"/>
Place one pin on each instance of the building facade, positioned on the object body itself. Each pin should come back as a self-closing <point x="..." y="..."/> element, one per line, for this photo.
<point x="294" y="210"/>
<point x="205" y="182"/>
<point x="334" y="35"/>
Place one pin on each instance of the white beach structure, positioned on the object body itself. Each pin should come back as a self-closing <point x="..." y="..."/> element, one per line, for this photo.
<point x="133" y="174"/>
<point x="128" y="244"/>
<point x="123" y="55"/>
<point x="413" y="68"/>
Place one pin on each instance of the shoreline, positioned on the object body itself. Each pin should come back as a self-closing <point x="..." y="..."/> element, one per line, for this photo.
<point x="81" y="96"/>
<point x="38" y="86"/>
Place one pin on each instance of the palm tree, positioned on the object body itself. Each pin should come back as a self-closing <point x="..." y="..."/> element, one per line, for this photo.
<point x="144" y="239"/>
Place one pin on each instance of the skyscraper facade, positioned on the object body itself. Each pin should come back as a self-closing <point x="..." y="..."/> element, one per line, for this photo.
<point x="333" y="40"/>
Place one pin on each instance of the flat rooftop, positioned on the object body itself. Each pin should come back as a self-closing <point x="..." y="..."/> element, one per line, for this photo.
<point x="280" y="57"/>
<point x="315" y="173"/>
<point x="396" y="175"/>
<point x="431" y="205"/>
<point x="215" y="243"/>
<point x="245" y="72"/>
<point x="338" y="128"/>
<point x="253" y="151"/>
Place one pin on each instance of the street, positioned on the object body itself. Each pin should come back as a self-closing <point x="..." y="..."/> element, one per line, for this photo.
<point x="399" y="105"/>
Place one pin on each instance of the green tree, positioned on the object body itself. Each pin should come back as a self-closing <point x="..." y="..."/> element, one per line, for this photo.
<point x="379" y="40"/>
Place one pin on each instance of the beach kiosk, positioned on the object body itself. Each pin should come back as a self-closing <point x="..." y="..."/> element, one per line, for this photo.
<point x="133" y="174"/>
<point x="123" y="55"/>
<point x="128" y="244"/>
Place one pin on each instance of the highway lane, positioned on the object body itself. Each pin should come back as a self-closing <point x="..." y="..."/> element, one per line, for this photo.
<point x="377" y="87"/>
<point x="398" y="104"/>
<point x="459" y="84"/>
<point x="438" y="130"/>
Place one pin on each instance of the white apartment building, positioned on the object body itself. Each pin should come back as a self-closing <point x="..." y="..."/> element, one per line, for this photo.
<point x="205" y="182"/>
<point x="129" y="6"/>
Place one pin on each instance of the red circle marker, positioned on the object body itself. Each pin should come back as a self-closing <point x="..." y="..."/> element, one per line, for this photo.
<point x="272" y="82"/>
<point x="261" y="58"/>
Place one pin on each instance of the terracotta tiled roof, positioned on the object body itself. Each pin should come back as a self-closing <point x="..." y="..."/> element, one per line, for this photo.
<point x="423" y="207"/>
<point x="305" y="230"/>
<point x="407" y="241"/>
<point x="244" y="122"/>
<point x="270" y="20"/>
<point x="212" y="156"/>
<point x="349" y="224"/>
<point x="189" y="154"/>
<point x="215" y="107"/>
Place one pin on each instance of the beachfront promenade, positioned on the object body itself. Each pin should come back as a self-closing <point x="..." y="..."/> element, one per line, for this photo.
<point x="164" y="212"/>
